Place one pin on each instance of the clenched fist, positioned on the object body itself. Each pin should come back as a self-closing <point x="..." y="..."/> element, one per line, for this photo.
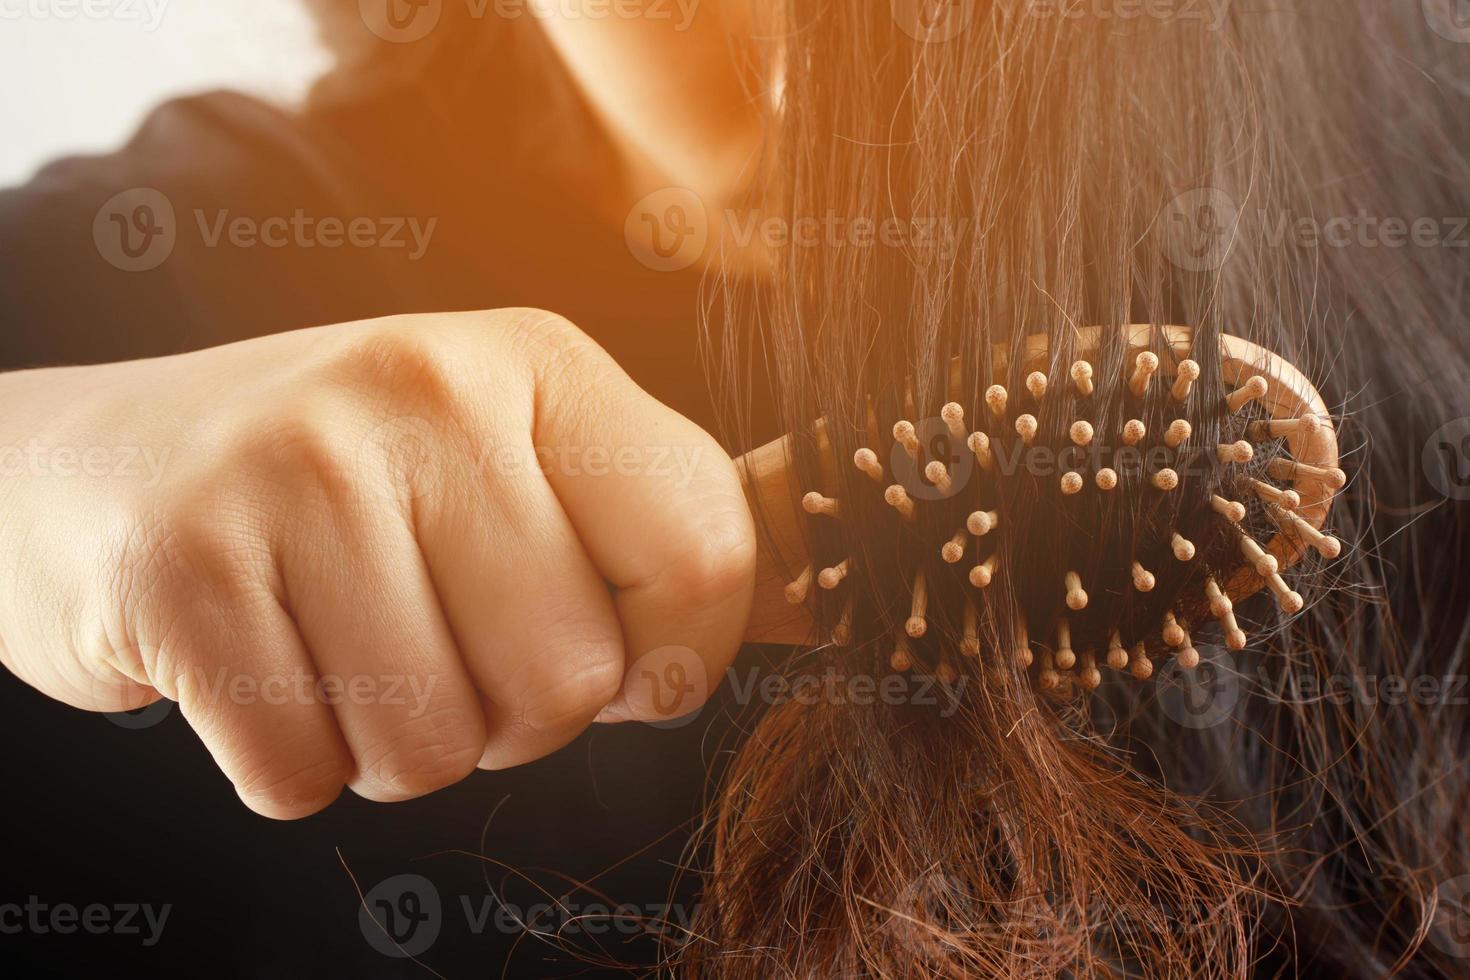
<point x="375" y="554"/>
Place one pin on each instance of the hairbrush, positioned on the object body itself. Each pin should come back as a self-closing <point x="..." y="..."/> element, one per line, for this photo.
<point x="1083" y="497"/>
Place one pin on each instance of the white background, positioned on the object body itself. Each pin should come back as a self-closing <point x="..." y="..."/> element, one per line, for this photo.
<point x="70" y="82"/>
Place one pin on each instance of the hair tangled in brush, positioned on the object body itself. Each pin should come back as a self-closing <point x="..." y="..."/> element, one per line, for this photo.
<point x="1081" y="170"/>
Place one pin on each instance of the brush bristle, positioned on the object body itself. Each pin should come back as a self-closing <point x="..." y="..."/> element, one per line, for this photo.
<point x="1165" y="481"/>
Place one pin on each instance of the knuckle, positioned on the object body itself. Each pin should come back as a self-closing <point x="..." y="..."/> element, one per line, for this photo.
<point x="541" y="333"/>
<point x="571" y="691"/>
<point x="407" y="415"/>
<point x="346" y="460"/>
<point x="297" y="446"/>
<point x="564" y="361"/>
<point x="397" y="371"/>
<point x="425" y="754"/>
<point x="718" y="559"/>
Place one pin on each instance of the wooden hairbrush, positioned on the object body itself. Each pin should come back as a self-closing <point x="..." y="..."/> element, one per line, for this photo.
<point x="1138" y="537"/>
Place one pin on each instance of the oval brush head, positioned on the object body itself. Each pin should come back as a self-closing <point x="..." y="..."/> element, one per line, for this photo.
<point x="1084" y="501"/>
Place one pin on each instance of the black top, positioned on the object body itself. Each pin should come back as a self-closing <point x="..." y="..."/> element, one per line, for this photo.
<point x="129" y="811"/>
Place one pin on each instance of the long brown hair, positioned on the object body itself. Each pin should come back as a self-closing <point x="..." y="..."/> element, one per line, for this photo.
<point x="1235" y="167"/>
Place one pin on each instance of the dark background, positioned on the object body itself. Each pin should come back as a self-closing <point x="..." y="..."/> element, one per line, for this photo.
<point x="98" y="813"/>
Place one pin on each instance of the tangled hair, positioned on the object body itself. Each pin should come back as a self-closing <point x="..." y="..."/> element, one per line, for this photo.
<point x="1079" y="170"/>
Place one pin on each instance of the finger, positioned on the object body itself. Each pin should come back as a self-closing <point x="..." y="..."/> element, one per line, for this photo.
<point x="231" y="657"/>
<point x="363" y="601"/>
<point x="534" y="620"/>
<point x="656" y="504"/>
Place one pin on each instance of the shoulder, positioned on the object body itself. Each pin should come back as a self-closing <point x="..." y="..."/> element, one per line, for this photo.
<point x="120" y="255"/>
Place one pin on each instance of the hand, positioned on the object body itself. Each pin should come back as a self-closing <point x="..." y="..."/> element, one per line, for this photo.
<point x="375" y="554"/>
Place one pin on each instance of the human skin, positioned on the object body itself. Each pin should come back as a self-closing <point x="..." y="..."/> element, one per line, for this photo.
<point x="366" y="502"/>
<point x="678" y="90"/>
